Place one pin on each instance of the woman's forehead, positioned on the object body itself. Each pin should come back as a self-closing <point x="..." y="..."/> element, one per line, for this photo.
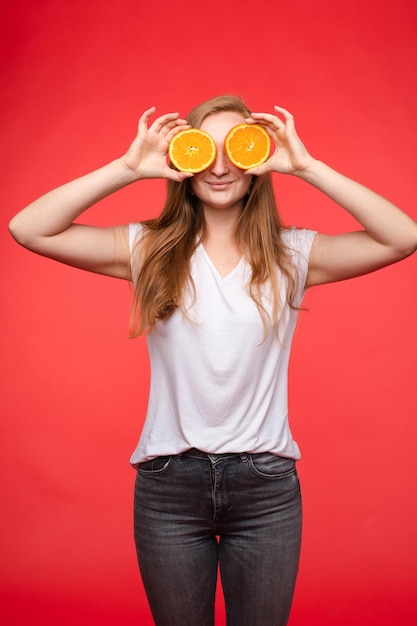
<point x="219" y="124"/>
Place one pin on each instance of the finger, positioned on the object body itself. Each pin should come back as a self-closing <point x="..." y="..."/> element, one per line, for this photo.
<point x="264" y="117"/>
<point x="267" y="120"/>
<point x="168" y="118"/>
<point x="286" y="114"/>
<point x="175" y="130"/>
<point x="258" y="171"/>
<point x="143" y="120"/>
<point x="289" y="118"/>
<point x="270" y="127"/>
<point x="179" y="177"/>
<point x="175" y="126"/>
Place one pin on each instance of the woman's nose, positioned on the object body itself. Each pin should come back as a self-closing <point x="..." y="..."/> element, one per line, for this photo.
<point x="221" y="163"/>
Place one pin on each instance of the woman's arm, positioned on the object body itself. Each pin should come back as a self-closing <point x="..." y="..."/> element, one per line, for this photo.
<point x="389" y="235"/>
<point x="47" y="225"/>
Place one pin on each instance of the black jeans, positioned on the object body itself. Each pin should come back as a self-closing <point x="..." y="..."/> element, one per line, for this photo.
<point x="196" y="511"/>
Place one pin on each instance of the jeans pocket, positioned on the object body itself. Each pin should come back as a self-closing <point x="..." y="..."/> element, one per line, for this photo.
<point x="271" y="466"/>
<point x="154" y="466"/>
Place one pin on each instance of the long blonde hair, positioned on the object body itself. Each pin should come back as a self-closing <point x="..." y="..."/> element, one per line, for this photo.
<point x="170" y="240"/>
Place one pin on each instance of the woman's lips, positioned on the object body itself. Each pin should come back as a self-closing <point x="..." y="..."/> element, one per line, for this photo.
<point x="218" y="184"/>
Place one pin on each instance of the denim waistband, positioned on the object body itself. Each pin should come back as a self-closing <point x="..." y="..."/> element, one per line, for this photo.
<point x="198" y="454"/>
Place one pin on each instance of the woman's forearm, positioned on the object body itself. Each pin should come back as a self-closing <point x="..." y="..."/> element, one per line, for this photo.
<point x="383" y="221"/>
<point x="55" y="211"/>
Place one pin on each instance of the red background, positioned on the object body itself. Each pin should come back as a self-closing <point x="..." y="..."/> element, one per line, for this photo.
<point x="75" y="77"/>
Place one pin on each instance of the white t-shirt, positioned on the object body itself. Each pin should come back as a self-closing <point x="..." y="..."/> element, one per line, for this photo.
<point x="217" y="384"/>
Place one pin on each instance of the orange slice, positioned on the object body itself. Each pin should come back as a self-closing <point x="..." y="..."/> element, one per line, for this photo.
<point x="192" y="150"/>
<point x="247" y="145"/>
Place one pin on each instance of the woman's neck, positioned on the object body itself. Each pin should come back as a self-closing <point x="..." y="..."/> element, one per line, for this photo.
<point x="220" y="239"/>
<point x="221" y="225"/>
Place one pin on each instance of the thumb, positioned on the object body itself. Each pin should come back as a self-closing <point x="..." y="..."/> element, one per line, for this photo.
<point x="178" y="176"/>
<point x="258" y="171"/>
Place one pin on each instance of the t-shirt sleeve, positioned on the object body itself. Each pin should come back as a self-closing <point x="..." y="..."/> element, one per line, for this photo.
<point x="135" y="232"/>
<point x="298" y="242"/>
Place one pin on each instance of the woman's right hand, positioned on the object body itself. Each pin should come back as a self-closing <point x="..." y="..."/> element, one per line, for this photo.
<point x="147" y="155"/>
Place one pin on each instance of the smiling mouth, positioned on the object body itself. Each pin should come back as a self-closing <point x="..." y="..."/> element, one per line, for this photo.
<point x="220" y="184"/>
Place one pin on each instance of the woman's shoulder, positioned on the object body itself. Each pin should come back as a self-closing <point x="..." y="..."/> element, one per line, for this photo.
<point x="297" y="243"/>
<point x="297" y="239"/>
<point x="136" y="230"/>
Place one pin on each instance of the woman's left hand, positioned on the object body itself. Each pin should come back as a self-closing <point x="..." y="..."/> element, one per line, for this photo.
<point x="290" y="155"/>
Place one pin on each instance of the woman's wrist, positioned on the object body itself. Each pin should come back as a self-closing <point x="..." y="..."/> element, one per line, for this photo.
<point x="124" y="172"/>
<point x="311" y="171"/>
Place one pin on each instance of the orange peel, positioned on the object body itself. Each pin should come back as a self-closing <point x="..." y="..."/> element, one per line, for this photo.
<point x="192" y="150"/>
<point x="247" y="145"/>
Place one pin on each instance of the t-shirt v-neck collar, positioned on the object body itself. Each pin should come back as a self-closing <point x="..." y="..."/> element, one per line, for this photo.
<point x="214" y="268"/>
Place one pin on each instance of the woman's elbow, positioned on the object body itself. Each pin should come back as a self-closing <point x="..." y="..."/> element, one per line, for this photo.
<point x="19" y="233"/>
<point x="14" y="228"/>
<point x="407" y="247"/>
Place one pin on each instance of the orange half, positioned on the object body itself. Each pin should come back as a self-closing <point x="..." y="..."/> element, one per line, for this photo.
<point x="192" y="150"/>
<point x="247" y="145"/>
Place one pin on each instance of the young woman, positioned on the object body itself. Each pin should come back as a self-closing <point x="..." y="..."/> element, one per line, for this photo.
<point x="218" y="283"/>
